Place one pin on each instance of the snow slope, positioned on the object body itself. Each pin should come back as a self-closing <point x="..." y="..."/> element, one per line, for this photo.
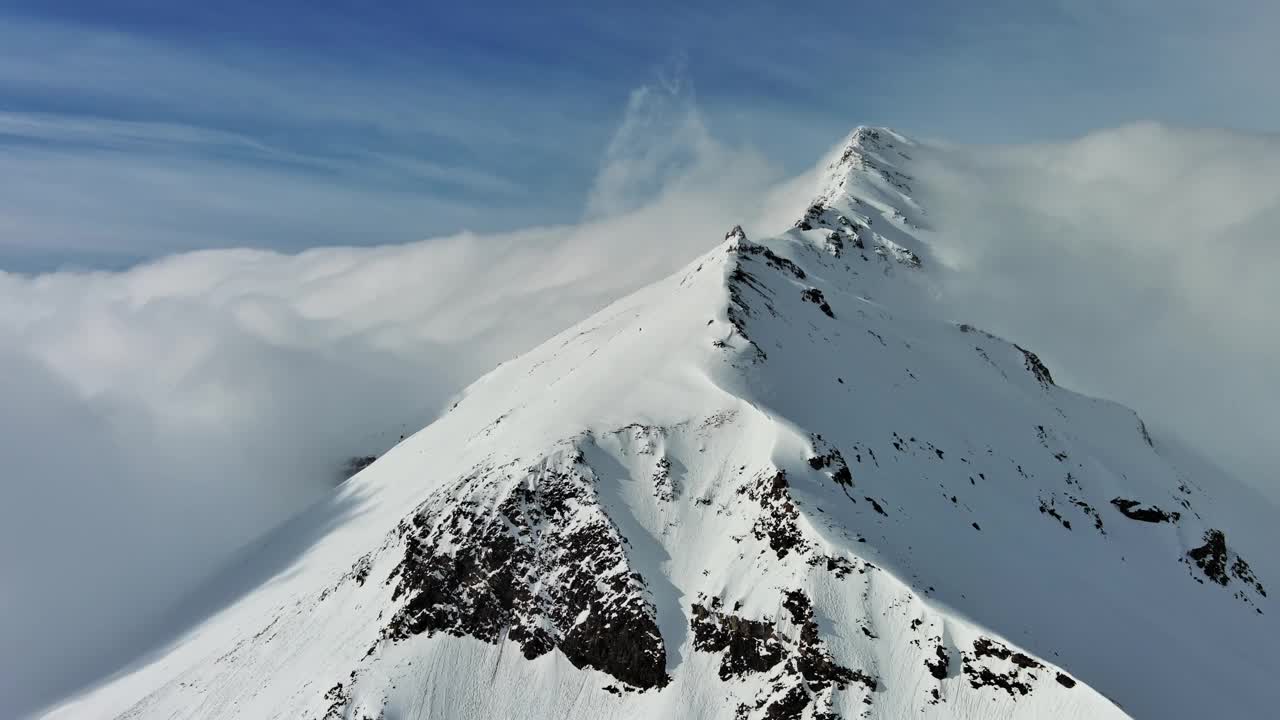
<point x="780" y="483"/>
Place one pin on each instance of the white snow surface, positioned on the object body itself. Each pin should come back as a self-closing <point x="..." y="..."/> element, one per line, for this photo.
<point x="976" y="513"/>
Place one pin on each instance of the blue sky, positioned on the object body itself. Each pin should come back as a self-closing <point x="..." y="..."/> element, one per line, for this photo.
<point x="137" y="128"/>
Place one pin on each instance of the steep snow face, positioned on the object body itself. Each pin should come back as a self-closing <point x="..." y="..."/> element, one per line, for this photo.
<point x="781" y="483"/>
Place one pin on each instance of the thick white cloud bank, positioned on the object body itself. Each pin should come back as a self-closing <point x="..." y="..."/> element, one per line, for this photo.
<point x="1141" y="261"/>
<point x="157" y="419"/>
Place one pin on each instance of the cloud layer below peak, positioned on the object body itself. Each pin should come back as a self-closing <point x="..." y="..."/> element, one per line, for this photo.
<point x="159" y="418"/>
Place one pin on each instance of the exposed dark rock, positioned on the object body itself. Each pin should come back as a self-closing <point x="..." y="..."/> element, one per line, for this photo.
<point x="983" y="676"/>
<point x="837" y="565"/>
<point x="663" y="485"/>
<point x="843" y="476"/>
<point x="790" y="706"/>
<point x="812" y="216"/>
<point x="1047" y="508"/>
<point x="816" y="665"/>
<point x="1088" y="510"/>
<point x="1150" y="513"/>
<point x="876" y="506"/>
<point x="1146" y="436"/>
<point x="1014" y="681"/>
<point x="546" y="566"/>
<point x="777" y="522"/>
<point x="360" y="570"/>
<point x="748" y="249"/>
<point x="1036" y="367"/>
<point x="829" y="457"/>
<point x="338" y="698"/>
<point x="746" y="646"/>
<point x="1241" y="570"/>
<point x="804" y="675"/>
<point x="1212" y="556"/>
<point x="986" y="647"/>
<point x="1065" y="681"/>
<point x="1215" y="561"/>
<point x="835" y="244"/>
<point x="891" y="251"/>
<point x="815" y="296"/>
<point x="356" y="464"/>
<point x="740" y="310"/>
<point x="940" y="664"/>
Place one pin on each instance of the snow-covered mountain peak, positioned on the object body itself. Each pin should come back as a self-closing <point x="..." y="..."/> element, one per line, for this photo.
<point x="780" y="483"/>
<point x="863" y="198"/>
<point x="869" y="153"/>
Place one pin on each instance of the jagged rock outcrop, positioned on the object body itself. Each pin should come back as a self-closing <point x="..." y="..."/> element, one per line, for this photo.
<point x="545" y="568"/>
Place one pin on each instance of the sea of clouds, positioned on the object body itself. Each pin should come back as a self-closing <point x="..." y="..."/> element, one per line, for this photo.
<point x="155" y="420"/>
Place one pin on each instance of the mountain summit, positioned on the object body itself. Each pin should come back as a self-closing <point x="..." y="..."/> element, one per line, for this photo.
<point x="781" y="483"/>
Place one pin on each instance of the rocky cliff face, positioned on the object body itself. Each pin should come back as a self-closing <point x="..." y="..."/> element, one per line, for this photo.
<point x="528" y="556"/>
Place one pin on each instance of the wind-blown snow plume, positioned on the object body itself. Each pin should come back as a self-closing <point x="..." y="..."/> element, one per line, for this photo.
<point x="662" y="134"/>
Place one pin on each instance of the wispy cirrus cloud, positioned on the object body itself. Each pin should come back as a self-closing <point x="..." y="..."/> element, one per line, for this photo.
<point x="84" y="185"/>
<point x="122" y="146"/>
<point x="436" y="119"/>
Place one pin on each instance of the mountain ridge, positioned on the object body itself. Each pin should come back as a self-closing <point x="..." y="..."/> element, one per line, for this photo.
<point x="707" y="499"/>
